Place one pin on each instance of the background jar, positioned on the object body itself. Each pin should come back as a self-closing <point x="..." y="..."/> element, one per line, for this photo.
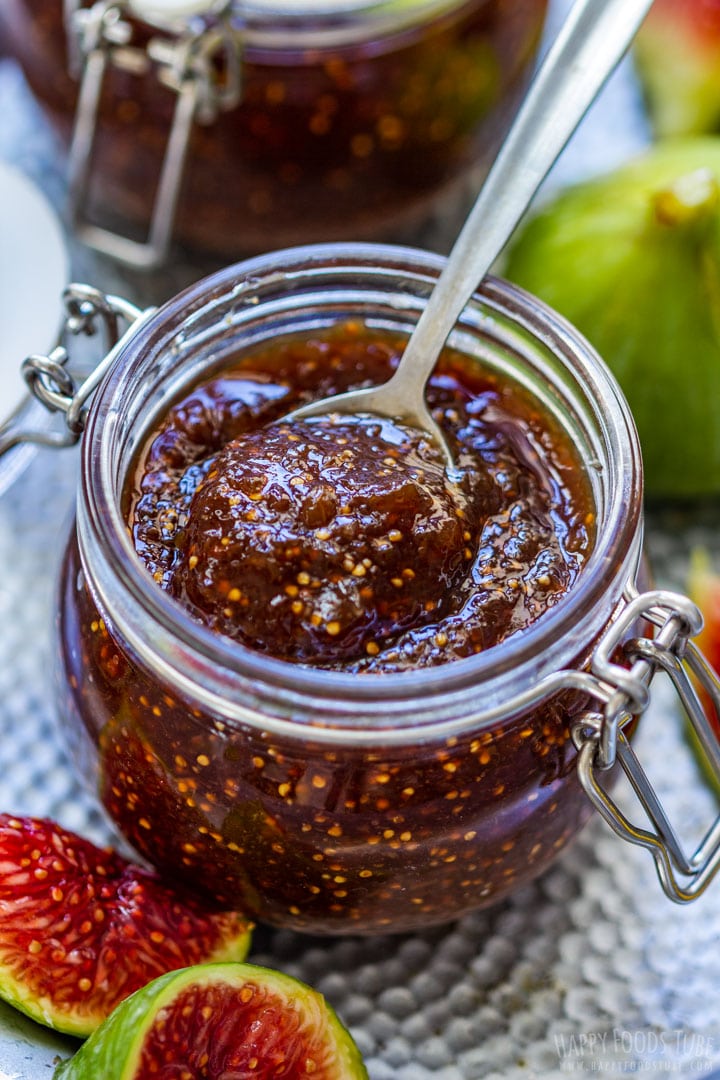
<point x="351" y="121"/>
<point x="314" y="799"/>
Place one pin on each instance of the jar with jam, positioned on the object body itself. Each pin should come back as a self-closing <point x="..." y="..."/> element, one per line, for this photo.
<point x="239" y="127"/>
<point x="311" y="672"/>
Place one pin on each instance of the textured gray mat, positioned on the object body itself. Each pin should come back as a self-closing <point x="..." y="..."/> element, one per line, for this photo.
<point x="589" y="971"/>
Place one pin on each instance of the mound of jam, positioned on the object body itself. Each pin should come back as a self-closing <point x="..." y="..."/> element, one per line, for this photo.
<point x="318" y="541"/>
<point x="341" y="541"/>
<point x="337" y="544"/>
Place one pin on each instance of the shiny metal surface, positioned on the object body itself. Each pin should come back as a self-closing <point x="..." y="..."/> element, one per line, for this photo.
<point x="588" y="47"/>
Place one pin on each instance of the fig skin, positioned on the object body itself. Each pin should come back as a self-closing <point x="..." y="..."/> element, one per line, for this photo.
<point x="632" y="259"/>
<point x="704" y="590"/>
<point x="291" y="1023"/>
<point x="677" y="58"/>
<point x="81" y="928"/>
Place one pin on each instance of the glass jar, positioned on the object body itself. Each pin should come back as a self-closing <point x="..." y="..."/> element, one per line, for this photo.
<point x="291" y="123"/>
<point x="332" y="802"/>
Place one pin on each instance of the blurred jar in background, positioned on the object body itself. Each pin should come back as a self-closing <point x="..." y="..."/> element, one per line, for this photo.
<point x="272" y="123"/>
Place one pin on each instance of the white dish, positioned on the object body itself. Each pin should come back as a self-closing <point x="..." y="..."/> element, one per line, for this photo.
<point x="34" y="269"/>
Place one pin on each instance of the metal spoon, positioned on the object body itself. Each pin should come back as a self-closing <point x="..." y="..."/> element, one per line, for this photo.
<point x="591" y="42"/>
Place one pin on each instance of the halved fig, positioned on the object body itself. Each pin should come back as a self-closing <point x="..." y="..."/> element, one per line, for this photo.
<point x="218" y="1021"/>
<point x="81" y="928"/>
<point x="704" y="589"/>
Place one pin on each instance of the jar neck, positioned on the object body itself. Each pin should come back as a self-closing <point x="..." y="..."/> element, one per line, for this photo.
<point x="307" y="24"/>
<point x="306" y="288"/>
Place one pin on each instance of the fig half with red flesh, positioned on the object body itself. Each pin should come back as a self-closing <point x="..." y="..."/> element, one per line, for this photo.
<point x="704" y="589"/>
<point x="217" y="1022"/>
<point x="81" y="928"/>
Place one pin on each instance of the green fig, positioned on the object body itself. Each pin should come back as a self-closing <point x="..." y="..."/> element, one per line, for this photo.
<point x="219" y="1021"/>
<point x="632" y="259"/>
<point x="677" y="57"/>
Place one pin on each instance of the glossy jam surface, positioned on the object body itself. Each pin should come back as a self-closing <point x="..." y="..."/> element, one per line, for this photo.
<point x="329" y="141"/>
<point x="321" y="541"/>
<point x="341" y="541"/>
<point x="337" y="838"/>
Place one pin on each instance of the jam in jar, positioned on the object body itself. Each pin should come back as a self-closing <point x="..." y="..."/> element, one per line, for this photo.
<point x="312" y="122"/>
<point x="307" y="670"/>
<point x="342" y="542"/>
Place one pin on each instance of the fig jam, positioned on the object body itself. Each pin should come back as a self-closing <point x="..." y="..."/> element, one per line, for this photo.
<point x="341" y="541"/>
<point x="341" y="546"/>
<point x="349" y="124"/>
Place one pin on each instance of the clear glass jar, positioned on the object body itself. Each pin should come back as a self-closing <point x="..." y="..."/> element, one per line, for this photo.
<point x="315" y="799"/>
<point x="314" y="121"/>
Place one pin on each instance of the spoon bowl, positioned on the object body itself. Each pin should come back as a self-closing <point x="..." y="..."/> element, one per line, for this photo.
<point x="590" y="44"/>
<point x="401" y="398"/>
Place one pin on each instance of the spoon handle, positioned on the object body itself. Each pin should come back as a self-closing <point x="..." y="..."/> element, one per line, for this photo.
<point x="590" y="44"/>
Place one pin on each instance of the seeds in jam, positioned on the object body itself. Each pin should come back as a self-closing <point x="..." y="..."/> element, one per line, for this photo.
<point x="298" y="832"/>
<point x="340" y="541"/>
<point x="324" y="538"/>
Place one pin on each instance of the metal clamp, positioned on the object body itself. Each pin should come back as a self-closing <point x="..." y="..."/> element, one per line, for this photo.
<point x="624" y="670"/>
<point x="201" y="65"/>
<point x="87" y="311"/>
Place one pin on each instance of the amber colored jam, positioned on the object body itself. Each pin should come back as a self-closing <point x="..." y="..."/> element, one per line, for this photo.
<point x="258" y="527"/>
<point x="299" y="833"/>
<point x="342" y="141"/>
<point x="341" y="541"/>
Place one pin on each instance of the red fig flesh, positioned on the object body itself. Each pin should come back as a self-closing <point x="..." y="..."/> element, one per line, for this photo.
<point x="220" y="1022"/>
<point x="704" y="589"/>
<point x="81" y="928"/>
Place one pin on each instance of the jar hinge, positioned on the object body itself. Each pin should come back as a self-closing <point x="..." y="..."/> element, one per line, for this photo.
<point x="88" y="312"/>
<point x="200" y="64"/>
<point x="624" y="693"/>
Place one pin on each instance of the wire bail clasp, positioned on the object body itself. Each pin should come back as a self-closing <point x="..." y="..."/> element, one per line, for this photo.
<point x="88" y="311"/>
<point x="624" y="669"/>
<point x="200" y="64"/>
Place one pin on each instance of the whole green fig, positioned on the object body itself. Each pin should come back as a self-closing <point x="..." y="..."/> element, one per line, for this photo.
<point x="633" y="260"/>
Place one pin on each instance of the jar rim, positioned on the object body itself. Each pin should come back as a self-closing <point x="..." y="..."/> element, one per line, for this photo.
<point x="342" y="10"/>
<point x="309" y="22"/>
<point x="520" y="656"/>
